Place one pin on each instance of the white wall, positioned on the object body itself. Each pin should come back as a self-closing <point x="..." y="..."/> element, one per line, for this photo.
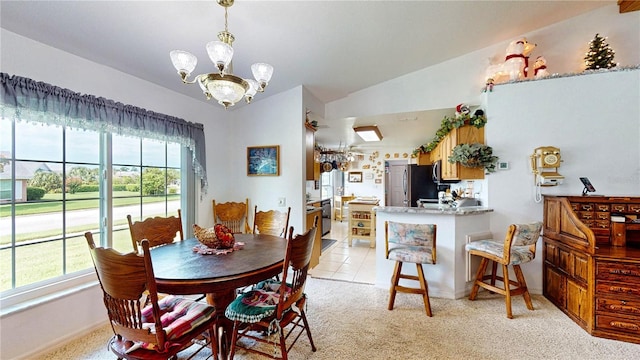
<point x="595" y="122"/>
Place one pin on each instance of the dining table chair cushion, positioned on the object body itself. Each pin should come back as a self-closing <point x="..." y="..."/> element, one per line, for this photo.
<point x="519" y="254"/>
<point x="179" y="316"/>
<point x="256" y="304"/>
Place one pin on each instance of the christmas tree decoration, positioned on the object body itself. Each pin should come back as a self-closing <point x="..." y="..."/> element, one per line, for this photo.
<point x="600" y="55"/>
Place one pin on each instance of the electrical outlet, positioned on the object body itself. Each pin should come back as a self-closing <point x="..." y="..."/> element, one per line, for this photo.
<point x="282" y="201"/>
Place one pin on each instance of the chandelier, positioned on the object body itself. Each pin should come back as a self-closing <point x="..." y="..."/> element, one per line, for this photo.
<point x="223" y="86"/>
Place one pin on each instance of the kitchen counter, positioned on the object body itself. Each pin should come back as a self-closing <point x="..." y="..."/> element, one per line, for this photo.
<point x="434" y="209"/>
<point x="451" y="277"/>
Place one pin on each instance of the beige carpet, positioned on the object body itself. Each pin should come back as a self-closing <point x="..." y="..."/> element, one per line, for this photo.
<point x="351" y="321"/>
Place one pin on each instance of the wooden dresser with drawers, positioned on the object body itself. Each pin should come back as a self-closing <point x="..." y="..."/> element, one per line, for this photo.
<point x="591" y="265"/>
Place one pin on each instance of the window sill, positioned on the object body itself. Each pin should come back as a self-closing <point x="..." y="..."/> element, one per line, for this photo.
<point x="21" y="299"/>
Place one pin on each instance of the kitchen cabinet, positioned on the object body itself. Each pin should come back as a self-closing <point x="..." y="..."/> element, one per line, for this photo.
<point x="362" y="221"/>
<point x="591" y="266"/>
<point x="465" y="134"/>
<point x="313" y="167"/>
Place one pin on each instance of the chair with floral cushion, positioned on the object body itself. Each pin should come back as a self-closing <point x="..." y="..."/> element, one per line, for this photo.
<point x="414" y="243"/>
<point x="519" y="247"/>
<point x="271" y="309"/>
<point x="145" y="327"/>
<point x="234" y="215"/>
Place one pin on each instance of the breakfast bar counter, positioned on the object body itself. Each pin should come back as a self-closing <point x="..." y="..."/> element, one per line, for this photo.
<point x="452" y="275"/>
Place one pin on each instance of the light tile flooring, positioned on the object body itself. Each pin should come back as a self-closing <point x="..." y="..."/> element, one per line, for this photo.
<point x="341" y="262"/>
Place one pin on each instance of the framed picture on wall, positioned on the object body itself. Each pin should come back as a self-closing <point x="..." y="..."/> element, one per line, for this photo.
<point x="263" y="160"/>
<point x="355" y="176"/>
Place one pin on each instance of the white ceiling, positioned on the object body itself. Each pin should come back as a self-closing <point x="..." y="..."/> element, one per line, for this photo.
<point x="333" y="48"/>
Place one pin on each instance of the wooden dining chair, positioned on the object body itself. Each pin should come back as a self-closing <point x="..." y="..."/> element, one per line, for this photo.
<point x="272" y="222"/>
<point x="518" y="247"/>
<point x="157" y="230"/>
<point x="144" y="326"/>
<point x="234" y="215"/>
<point x="275" y="306"/>
<point x="413" y="243"/>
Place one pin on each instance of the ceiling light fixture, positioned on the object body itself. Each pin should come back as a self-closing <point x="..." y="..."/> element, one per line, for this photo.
<point x="368" y="133"/>
<point x="223" y="86"/>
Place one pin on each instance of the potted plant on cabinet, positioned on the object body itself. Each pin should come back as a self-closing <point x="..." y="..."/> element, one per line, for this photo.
<point x="474" y="156"/>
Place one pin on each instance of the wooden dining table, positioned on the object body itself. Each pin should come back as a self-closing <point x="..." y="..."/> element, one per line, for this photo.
<point x="180" y="270"/>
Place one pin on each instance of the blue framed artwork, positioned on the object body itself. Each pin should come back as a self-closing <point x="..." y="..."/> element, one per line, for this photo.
<point x="263" y="160"/>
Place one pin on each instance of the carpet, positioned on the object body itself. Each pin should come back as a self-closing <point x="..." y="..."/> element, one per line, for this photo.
<point x="327" y="242"/>
<point x="351" y="321"/>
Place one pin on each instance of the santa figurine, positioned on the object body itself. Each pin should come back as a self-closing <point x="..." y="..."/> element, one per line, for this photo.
<point x="462" y="110"/>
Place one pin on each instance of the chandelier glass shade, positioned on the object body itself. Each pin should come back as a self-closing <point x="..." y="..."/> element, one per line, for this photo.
<point x="222" y="85"/>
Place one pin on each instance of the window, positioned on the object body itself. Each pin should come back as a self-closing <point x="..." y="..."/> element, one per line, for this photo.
<point x="58" y="179"/>
<point x="50" y="188"/>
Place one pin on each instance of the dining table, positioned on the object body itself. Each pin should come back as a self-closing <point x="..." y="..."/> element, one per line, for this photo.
<point x="180" y="270"/>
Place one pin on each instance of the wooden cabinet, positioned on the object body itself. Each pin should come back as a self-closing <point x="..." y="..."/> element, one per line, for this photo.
<point x="587" y="272"/>
<point x="317" y="243"/>
<point x="313" y="167"/>
<point x="466" y="134"/>
<point x="362" y="221"/>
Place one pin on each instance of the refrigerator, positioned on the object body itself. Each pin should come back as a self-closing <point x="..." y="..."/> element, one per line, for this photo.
<point x="418" y="183"/>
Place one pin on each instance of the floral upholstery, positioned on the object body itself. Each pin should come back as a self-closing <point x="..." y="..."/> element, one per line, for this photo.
<point x="413" y="243"/>
<point x="524" y="236"/>
<point x="256" y="304"/>
<point x="179" y="316"/>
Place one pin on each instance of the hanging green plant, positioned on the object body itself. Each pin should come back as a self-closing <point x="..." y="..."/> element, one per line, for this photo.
<point x="474" y="156"/>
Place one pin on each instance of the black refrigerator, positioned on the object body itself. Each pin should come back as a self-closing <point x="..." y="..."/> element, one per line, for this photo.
<point x="418" y="184"/>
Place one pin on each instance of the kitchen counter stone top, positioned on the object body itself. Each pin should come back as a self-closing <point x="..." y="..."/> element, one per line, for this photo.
<point x="434" y="209"/>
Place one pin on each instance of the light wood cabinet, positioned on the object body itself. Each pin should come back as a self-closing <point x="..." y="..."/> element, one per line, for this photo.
<point x="362" y="221"/>
<point x="592" y="265"/>
<point x="466" y="134"/>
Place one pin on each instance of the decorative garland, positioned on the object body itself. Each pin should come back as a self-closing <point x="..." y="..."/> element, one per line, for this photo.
<point x="474" y="156"/>
<point x="585" y="72"/>
<point x="447" y="124"/>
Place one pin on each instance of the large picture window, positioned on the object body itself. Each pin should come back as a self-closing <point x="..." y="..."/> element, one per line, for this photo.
<point x="50" y="178"/>
<point x="71" y="163"/>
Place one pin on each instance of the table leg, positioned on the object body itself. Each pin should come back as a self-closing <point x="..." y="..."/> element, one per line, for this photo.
<point x="221" y="300"/>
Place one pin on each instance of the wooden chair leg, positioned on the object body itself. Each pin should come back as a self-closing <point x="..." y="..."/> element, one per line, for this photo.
<point x="522" y="284"/>
<point x="494" y="271"/>
<point x="479" y="275"/>
<point x="283" y="345"/>
<point x="507" y="290"/>
<point x="303" y="315"/>
<point x="394" y="284"/>
<point x="425" y="289"/>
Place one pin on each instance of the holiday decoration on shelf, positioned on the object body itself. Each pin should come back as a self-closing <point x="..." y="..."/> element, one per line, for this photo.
<point x="600" y="55"/>
<point x="540" y="68"/>
<point x="516" y="63"/>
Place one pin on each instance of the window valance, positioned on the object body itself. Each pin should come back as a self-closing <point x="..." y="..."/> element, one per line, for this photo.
<point x="24" y="99"/>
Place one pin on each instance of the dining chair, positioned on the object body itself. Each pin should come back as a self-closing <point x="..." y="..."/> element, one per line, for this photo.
<point x="414" y="243"/>
<point x="271" y="222"/>
<point x="275" y="306"/>
<point x="518" y="247"/>
<point x="157" y="230"/>
<point x="144" y="326"/>
<point x="234" y="215"/>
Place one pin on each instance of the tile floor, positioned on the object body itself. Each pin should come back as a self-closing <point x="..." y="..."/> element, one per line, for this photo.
<point x="341" y="262"/>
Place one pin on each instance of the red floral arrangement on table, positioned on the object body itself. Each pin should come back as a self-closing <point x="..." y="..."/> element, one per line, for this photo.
<point x="218" y="237"/>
